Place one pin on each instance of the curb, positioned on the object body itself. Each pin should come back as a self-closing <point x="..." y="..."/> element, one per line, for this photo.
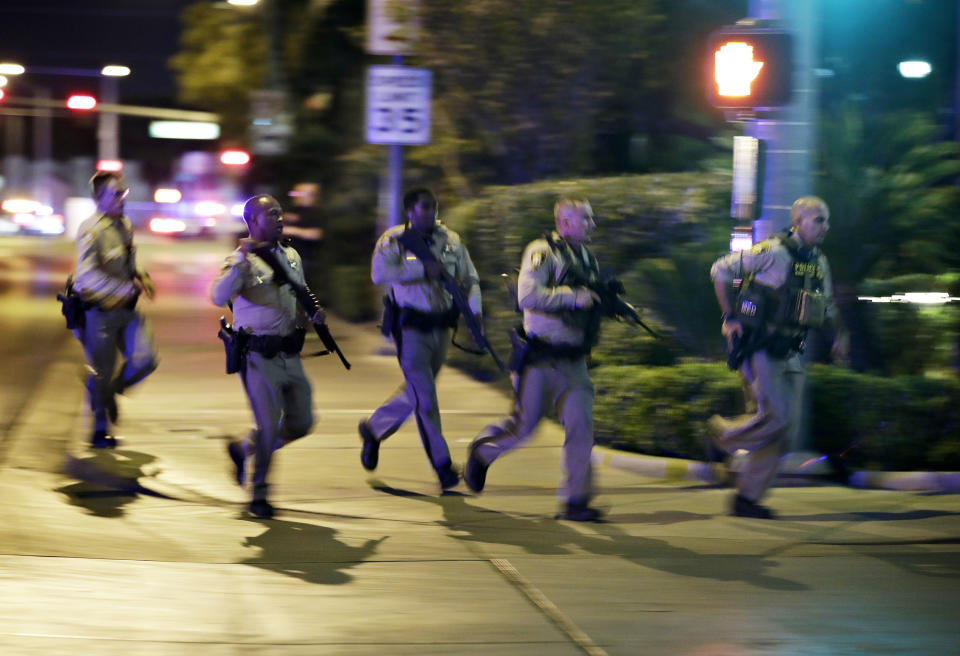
<point x="669" y="469"/>
<point x="912" y="481"/>
<point x="678" y="469"/>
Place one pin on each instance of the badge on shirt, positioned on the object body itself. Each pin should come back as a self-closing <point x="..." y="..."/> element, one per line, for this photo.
<point x="537" y="259"/>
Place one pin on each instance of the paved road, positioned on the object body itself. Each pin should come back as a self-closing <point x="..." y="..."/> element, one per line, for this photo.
<point x="145" y="550"/>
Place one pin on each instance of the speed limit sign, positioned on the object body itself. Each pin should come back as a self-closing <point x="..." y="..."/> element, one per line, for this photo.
<point x="398" y="105"/>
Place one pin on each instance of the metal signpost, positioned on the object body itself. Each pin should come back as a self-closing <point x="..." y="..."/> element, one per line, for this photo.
<point x="398" y="97"/>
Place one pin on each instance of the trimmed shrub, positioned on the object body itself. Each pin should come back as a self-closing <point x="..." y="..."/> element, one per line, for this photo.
<point x="901" y="423"/>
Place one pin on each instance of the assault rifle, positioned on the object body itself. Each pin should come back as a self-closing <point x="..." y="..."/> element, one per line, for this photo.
<point x="414" y="243"/>
<point x="614" y="307"/>
<point x="306" y="299"/>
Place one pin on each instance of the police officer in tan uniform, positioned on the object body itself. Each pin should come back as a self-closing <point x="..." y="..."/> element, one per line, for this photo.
<point x="425" y="315"/>
<point x="109" y="282"/>
<point x="787" y="289"/>
<point x="265" y="315"/>
<point x="556" y="306"/>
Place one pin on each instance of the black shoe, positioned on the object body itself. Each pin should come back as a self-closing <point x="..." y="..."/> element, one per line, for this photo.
<point x="239" y="457"/>
<point x="448" y="477"/>
<point x="475" y="472"/>
<point x="580" y="512"/>
<point x="100" y="440"/>
<point x="744" y="507"/>
<point x="261" y="508"/>
<point x="370" y="452"/>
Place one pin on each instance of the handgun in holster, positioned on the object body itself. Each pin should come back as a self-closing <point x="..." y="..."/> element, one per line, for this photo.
<point x="232" y="346"/>
<point x="72" y="306"/>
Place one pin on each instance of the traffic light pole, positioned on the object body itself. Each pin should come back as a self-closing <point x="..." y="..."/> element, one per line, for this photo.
<point x="789" y="135"/>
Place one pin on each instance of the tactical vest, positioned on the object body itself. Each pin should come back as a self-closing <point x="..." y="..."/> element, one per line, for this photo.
<point x="798" y="304"/>
<point x="578" y="274"/>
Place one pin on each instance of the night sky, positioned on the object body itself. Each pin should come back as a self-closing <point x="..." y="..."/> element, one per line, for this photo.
<point x="141" y="34"/>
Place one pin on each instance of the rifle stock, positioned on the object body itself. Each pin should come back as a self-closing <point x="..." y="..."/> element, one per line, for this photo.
<point x="307" y="301"/>
<point x="413" y="242"/>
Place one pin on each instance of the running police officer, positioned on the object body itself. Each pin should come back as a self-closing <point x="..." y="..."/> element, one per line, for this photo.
<point x="422" y="316"/>
<point x="109" y="282"/>
<point x="786" y="290"/>
<point x="556" y="303"/>
<point x="265" y="320"/>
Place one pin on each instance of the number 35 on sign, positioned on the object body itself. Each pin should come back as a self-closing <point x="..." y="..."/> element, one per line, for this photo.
<point x="398" y="105"/>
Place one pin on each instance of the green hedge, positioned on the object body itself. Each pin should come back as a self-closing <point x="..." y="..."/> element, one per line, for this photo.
<point x="902" y="423"/>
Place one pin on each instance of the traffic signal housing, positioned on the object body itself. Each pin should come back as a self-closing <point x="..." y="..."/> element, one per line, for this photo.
<point x="749" y="67"/>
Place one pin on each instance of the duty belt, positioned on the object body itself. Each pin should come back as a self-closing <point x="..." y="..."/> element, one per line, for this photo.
<point x="427" y="321"/>
<point x="543" y="350"/>
<point x="271" y="345"/>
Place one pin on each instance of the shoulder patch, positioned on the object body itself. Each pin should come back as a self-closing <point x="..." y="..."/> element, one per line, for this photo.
<point x="762" y="247"/>
<point x="537" y="259"/>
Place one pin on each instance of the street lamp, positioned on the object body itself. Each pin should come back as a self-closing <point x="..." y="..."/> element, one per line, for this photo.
<point x="914" y="68"/>
<point x="108" y="127"/>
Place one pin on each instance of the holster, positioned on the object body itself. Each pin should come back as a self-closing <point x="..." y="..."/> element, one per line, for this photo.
<point x="520" y="349"/>
<point x="72" y="306"/>
<point x="232" y="346"/>
<point x="390" y="319"/>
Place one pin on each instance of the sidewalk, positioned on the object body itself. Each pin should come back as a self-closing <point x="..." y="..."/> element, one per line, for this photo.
<point x="150" y="553"/>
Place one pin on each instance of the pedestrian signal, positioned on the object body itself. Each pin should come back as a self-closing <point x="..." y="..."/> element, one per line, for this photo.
<point x="749" y="67"/>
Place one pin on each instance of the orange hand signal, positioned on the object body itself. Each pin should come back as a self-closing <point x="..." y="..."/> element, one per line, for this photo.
<point x="735" y="70"/>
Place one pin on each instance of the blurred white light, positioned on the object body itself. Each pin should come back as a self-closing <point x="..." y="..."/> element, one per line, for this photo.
<point x="914" y="68"/>
<point x="3" y="81"/>
<point x="8" y="227"/>
<point x="210" y="222"/>
<point x="184" y="130"/>
<point x="237" y="209"/>
<point x="24" y="218"/>
<point x="109" y="165"/>
<point x="165" y="226"/>
<point x="49" y="225"/>
<point x="8" y="68"/>
<point x="235" y="157"/>
<point x="741" y="240"/>
<point x="242" y="3"/>
<point x="81" y="101"/>
<point x="166" y="196"/>
<point x="917" y="298"/>
<point x="19" y="206"/>
<point x="209" y="208"/>
<point x="115" y="71"/>
<point x="43" y="210"/>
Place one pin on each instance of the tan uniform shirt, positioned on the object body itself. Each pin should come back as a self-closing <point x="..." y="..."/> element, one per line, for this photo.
<point x="106" y="262"/>
<point x="403" y="273"/>
<point x="546" y="303"/>
<point x="259" y="305"/>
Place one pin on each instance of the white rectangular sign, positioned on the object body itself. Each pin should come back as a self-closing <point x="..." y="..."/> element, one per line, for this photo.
<point x="391" y="26"/>
<point x="398" y="105"/>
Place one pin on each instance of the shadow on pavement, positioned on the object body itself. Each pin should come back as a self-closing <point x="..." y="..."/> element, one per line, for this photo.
<point x="307" y="551"/>
<point x="107" y="480"/>
<point x="542" y="535"/>
<point x="869" y="516"/>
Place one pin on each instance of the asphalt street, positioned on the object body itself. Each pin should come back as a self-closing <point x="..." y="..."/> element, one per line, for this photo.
<point x="146" y="549"/>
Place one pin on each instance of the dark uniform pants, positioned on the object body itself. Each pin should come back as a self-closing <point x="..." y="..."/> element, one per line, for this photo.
<point x="563" y="384"/>
<point x="104" y="334"/>
<point x="421" y="354"/>
<point x="282" y="404"/>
